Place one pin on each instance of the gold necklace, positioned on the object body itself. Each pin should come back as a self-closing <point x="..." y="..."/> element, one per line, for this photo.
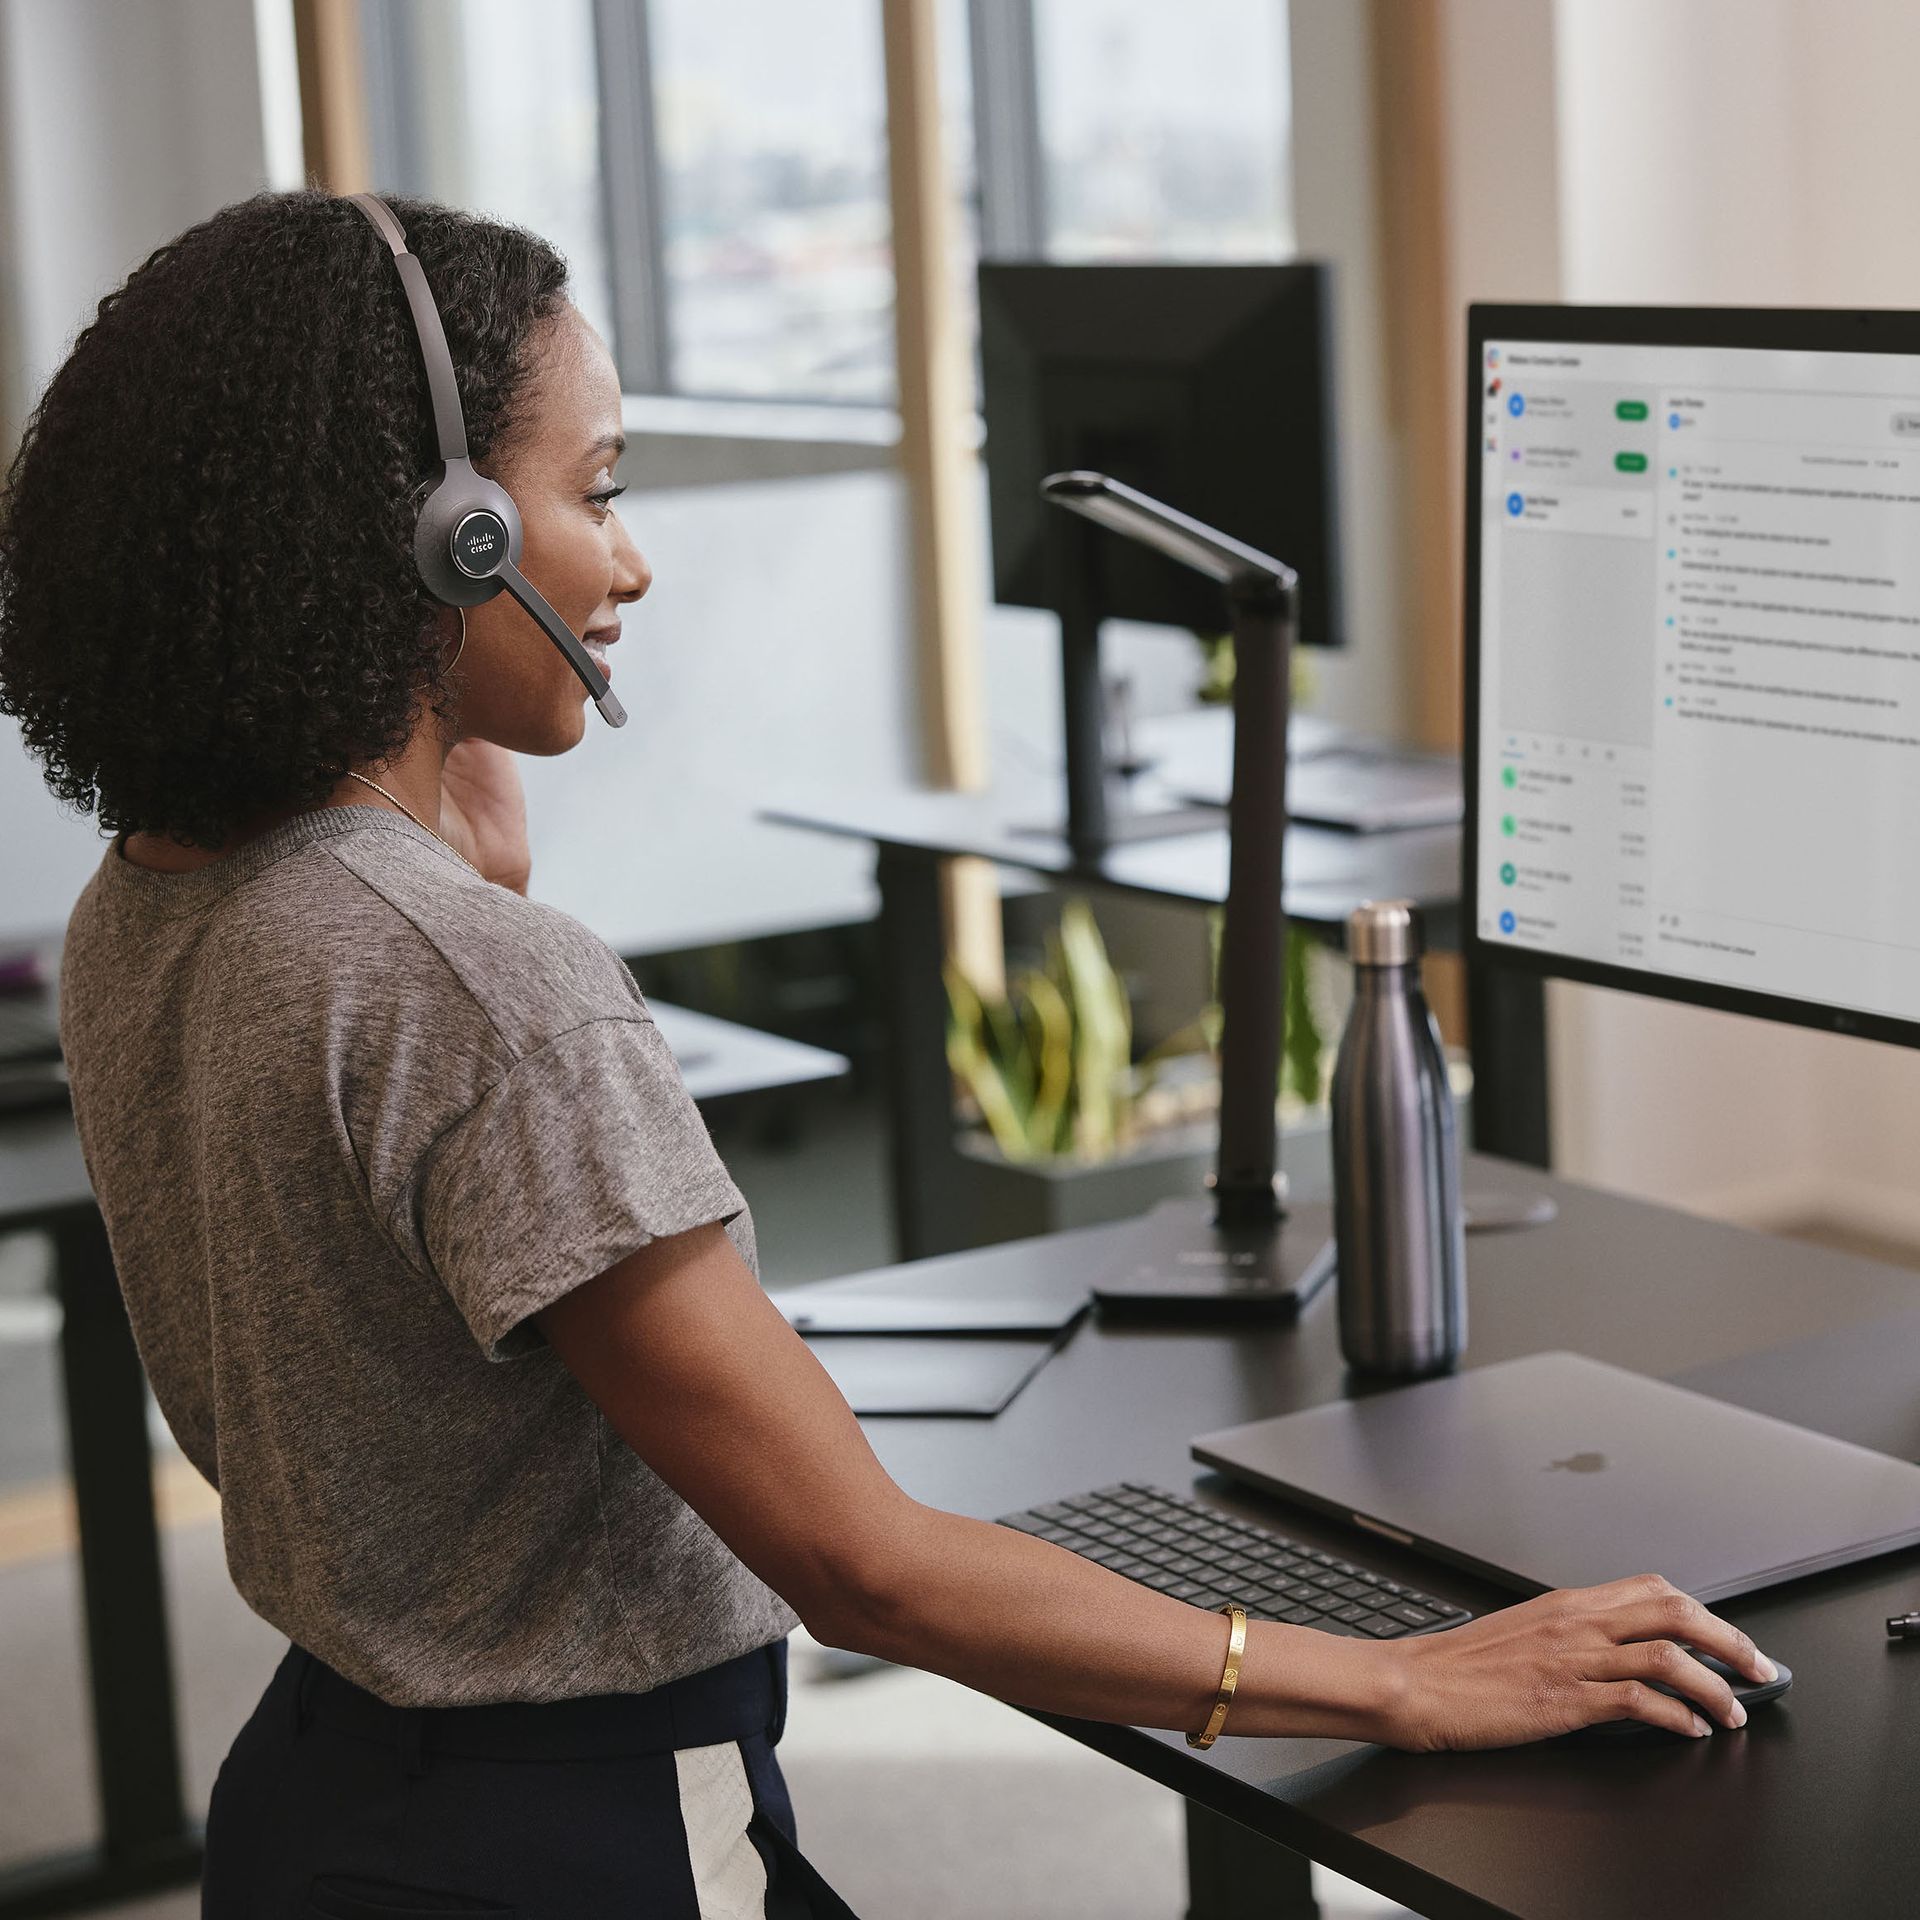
<point x="415" y="818"/>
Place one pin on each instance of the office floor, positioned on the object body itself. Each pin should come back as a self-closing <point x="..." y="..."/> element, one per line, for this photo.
<point x="980" y="1811"/>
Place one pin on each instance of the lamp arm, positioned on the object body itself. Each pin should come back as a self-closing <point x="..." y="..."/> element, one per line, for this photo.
<point x="1263" y="594"/>
<point x="1254" y="937"/>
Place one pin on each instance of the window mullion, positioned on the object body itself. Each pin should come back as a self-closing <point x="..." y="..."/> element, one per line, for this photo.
<point x="1006" y="130"/>
<point x="630" y="174"/>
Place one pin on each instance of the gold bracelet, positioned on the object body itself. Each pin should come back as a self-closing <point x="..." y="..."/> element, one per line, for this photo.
<point x="1229" y="1678"/>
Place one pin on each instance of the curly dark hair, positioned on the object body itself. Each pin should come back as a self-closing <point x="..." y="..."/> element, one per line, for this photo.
<point x="208" y="601"/>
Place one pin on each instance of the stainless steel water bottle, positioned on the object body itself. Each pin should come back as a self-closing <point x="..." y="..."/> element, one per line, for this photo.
<point x="1398" y="1225"/>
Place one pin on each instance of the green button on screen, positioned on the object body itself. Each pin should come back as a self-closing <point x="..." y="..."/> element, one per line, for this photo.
<point x="1630" y="462"/>
<point x="1630" y="409"/>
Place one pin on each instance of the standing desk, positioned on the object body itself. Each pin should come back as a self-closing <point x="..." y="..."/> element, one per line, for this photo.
<point x="1329" y="873"/>
<point x="147" y="1842"/>
<point x="1810" y="1810"/>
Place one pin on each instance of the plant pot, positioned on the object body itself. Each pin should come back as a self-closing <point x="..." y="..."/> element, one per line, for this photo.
<point x="1012" y="1200"/>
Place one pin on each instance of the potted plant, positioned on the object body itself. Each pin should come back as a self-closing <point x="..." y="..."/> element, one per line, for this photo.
<point x="1061" y="1125"/>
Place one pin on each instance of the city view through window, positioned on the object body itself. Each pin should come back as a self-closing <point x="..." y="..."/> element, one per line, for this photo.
<point x="1163" y="134"/>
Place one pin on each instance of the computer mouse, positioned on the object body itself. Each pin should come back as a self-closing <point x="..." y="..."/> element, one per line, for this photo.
<point x="1750" y="1694"/>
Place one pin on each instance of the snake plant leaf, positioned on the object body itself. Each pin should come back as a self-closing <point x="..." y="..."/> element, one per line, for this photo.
<point x="969" y="1063"/>
<point x="1103" y="1030"/>
<point x="1053" y="1019"/>
<point x="1006" y="1043"/>
<point x="1303" y="1048"/>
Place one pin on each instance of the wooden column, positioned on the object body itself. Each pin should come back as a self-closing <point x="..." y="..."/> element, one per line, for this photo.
<point x="938" y="463"/>
<point x="1467" y="155"/>
<point x="333" y="95"/>
<point x="1421" y="312"/>
<point x="1424" y="335"/>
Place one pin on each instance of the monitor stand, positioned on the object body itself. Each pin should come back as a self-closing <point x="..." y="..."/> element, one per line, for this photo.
<point x="1495" y="1211"/>
<point x="1100" y="812"/>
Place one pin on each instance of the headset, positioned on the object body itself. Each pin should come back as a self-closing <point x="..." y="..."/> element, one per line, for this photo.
<point x="467" y="540"/>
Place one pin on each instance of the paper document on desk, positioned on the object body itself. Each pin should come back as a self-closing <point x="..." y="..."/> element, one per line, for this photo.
<point x="969" y="1378"/>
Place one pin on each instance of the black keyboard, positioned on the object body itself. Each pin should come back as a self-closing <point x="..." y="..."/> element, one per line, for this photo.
<point x="1209" y="1558"/>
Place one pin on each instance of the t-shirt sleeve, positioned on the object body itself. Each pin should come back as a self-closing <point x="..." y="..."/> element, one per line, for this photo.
<point x="581" y="1152"/>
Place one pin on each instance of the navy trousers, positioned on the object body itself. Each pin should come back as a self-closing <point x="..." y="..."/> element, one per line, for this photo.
<point x="334" y="1806"/>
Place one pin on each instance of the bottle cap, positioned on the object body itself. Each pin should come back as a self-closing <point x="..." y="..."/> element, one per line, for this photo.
<point x="1383" y="933"/>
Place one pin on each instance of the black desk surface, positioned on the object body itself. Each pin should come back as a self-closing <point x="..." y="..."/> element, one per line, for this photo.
<point x="1809" y="1811"/>
<point x="1328" y="872"/>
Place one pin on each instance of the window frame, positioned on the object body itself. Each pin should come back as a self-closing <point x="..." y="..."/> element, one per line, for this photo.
<point x="630" y="208"/>
<point x="1010" y="163"/>
<point x="770" y="434"/>
<point x="1008" y="158"/>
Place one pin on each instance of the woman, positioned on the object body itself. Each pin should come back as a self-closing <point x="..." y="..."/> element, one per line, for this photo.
<point x="434" y="1268"/>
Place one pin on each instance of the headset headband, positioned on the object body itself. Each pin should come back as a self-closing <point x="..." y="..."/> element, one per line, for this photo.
<point x="449" y="423"/>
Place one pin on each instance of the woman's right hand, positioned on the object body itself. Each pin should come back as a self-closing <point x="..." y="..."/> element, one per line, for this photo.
<point x="1568" y="1660"/>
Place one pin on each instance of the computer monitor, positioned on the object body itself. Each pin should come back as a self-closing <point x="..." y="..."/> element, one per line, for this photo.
<point x="1206" y="386"/>
<point x="1693" y="656"/>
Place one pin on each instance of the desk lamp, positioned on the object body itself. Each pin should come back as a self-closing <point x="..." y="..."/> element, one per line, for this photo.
<point x="1241" y="1250"/>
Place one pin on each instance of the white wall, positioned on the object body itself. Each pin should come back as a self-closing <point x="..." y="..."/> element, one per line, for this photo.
<point x="771" y="650"/>
<point x="123" y="124"/>
<point x="1735" y="151"/>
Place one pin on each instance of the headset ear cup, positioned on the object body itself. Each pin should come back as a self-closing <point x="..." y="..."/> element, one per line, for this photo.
<point x="456" y="495"/>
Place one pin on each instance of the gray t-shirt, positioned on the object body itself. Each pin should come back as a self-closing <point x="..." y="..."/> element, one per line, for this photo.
<point x="353" y="1114"/>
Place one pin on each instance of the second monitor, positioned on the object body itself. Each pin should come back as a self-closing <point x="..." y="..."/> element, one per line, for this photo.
<point x="1208" y="387"/>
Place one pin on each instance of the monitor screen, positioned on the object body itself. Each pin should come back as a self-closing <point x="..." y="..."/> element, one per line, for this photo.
<point x="1693" y="629"/>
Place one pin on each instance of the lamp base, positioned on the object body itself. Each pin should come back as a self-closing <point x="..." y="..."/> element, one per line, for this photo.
<point x="1184" y="1266"/>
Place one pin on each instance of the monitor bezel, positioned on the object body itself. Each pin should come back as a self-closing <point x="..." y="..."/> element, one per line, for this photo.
<point x="1807" y="329"/>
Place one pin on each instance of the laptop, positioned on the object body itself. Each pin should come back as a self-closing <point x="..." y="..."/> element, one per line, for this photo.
<point x="1560" y="1471"/>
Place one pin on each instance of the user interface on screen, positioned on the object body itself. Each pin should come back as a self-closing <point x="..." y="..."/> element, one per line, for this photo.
<point x="1699" y="718"/>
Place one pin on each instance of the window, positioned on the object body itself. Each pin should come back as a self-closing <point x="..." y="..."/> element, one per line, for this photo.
<point x="716" y="170"/>
<point x="775" y="235"/>
<point x="449" y="84"/>
<point x="1163" y="130"/>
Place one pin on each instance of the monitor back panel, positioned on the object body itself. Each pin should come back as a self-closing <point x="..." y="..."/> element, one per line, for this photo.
<point x="1208" y="386"/>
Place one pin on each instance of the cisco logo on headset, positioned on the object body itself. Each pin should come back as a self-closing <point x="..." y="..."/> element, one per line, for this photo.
<point x="479" y="544"/>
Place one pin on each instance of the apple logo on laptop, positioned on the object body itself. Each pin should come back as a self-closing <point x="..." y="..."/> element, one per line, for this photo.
<point x="1579" y="1463"/>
